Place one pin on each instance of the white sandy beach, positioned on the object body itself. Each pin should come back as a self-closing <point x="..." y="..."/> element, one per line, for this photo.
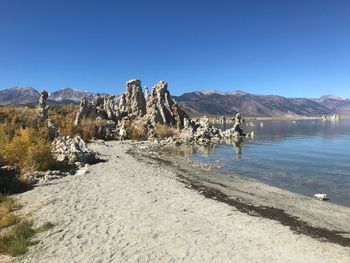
<point x="124" y="210"/>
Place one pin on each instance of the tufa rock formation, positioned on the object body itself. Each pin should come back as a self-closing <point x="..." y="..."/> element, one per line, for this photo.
<point x="104" y="110"/>
<point x="52" y="129"/>
<point x="334" y="117"/>
<point x="133" y="103"/>
<point x="42" y="106"/>
<point x="201" y="132"/>
<point x="162" y="109"/>
<point x="147" y="96"/>
<point x="43" y="110"/>
<point x="73" y="150"/>
<point x="84" y="111"/>
<point x="147" y="111"/>
<point x="104" y="107"/>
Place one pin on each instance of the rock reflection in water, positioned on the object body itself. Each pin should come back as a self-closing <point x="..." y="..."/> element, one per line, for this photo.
<point x="238" y="149"/>
<point x="307" y="156"/>
<point x="204" y="150"/>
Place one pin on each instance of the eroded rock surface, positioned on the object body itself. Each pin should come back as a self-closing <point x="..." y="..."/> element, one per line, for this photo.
<point x="42" y="177"/>
<point x="52" y="130"/>
<point x="161" y="109"/>
<point x="104" y="107"/>
<point x="200" y="131"/>
<point x="104" y="110"/>
<point x="134" y="103"/>
<point x="73" y="150"/>
<point x="42" y="107"/>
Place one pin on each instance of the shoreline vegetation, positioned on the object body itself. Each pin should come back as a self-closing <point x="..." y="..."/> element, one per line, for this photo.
<point x="39" y="145"/>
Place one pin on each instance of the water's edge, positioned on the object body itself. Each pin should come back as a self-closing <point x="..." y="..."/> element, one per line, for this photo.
<point x="324" y="221"/>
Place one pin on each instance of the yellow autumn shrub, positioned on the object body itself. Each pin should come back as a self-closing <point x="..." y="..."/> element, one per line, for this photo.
<point x="164" y="131"/>
<point x="29" y="149"/>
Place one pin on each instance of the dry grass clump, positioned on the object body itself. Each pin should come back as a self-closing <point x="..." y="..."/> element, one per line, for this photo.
<point x="164" y="131"/>
<point x="15" y="232"/>
<point x="136" y="133"/>
<point x="87" y="129"/>
<point x="46" y="226"/>
<point x="7" y="220"/>
<point x="135" y="129"/>
<point x="7" y="205"/>
<point x="64" y="116"/>
<point x="17" y="240"/>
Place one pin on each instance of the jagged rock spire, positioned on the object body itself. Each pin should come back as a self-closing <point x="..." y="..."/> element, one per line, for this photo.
<point x="43" y="109"/>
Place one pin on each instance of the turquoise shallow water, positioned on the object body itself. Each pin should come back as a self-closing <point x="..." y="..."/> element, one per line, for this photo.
<point x="305" y="156"/>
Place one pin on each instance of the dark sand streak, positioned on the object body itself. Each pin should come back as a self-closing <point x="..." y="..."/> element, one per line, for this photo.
<point x="294" y="223"/>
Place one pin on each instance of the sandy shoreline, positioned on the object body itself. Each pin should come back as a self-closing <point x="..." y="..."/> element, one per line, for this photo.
<point x="136" y="207"/>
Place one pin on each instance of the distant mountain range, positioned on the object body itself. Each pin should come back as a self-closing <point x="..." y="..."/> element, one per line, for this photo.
<point x="335" y="104"/>
<point x="28" y="95"/>
<point x="68" y="95"/>
<point x="18" y="95"/>
<point x="229" y="103"/>
<point x="205" y="102"/>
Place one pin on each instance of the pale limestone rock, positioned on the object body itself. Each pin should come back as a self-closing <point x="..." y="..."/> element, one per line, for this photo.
<point x="84" y="110"/>
<point x="135" y="103"/>
<point x="186" y="123"/>
<point x="73" y="150"/>
<point x="162" y="109"/>
<point x="147" y="96"/>
<point x="43" y="177"/>
<point x="42" y="107"/>
<point x="321" y="197"/>
<point x="52" y="129"/>
<point x="104" y="110"/>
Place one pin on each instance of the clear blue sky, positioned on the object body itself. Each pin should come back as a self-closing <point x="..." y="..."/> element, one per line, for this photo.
<point x="294" y="48"/>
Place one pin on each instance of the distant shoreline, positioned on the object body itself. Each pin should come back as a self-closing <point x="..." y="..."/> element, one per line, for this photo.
<point x="258" y="118"/>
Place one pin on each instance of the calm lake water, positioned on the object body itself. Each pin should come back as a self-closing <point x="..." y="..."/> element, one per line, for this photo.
<point x="304" y="156"/>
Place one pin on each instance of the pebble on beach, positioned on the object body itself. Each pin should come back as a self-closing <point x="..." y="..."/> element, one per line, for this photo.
<point x="321" y="197"/>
